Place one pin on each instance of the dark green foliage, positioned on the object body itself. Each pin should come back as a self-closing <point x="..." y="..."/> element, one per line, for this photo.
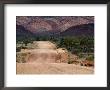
<point x="76" y="45"/>
<point x="73" y="44"/>
<point x="90" y="57"/>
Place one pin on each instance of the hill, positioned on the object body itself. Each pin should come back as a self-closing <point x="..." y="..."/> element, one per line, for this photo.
<point x="79" y="30"/>
<point x="31" y="26"/>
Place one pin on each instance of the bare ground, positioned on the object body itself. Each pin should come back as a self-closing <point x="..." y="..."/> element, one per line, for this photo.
<point x="38" y="62"/>
<point x="52" y="68"/>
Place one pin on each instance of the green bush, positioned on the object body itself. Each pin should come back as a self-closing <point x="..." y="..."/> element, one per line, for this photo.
<point x="81" y="55"/>
<point x="75" y="45"/>
<point x="90" y="57"/>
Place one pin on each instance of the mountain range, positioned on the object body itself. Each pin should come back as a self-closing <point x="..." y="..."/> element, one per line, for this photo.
<point x="54" y="25"/>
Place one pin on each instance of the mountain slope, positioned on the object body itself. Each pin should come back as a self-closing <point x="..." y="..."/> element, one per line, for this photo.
<point x="80" y="30"/>
<point x="30" y="26"/>
<point x="22" y="33"/>
<point x="37" y="23"/>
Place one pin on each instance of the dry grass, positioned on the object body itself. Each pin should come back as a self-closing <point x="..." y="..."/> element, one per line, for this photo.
<point x="21" y="57"/>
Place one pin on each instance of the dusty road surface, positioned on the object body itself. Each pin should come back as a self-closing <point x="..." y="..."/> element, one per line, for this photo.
<point x="52" y="68"/>
<point x="44" y="51"/>
<point x="44" y="45"/>
<point x="47" y="59"/>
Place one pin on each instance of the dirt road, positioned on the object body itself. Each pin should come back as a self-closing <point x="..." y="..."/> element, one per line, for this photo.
<point x="52" y="68"/>
<point x="44" y="45"/>
<point x="45" y="51"/>
<point x="47" y="59"/>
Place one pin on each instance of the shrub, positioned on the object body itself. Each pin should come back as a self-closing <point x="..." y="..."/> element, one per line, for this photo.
<point x="70" y="62"/>
<point x="23" y="47"/>
<point x="20" y="57"/>
<point x="18" y="49"/>
<point x="90" y="57"/>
